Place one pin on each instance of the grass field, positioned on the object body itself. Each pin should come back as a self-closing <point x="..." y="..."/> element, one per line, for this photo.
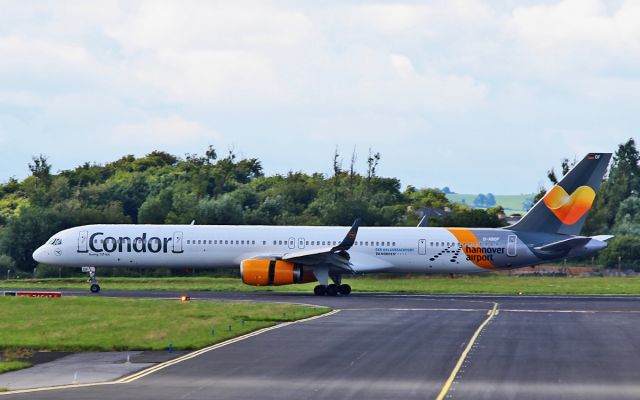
<point x="472" y="284"/>
<point x="511" y="203"/>
<point x="8" y="366"/>
<point x="106" y="324"/>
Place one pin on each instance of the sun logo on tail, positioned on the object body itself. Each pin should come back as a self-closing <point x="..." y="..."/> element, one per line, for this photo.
<point x="569" y="208"/>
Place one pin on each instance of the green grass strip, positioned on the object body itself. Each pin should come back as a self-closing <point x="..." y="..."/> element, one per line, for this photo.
<point x="8" y="366"/>
<point x="470" y="284"/>
<point x="108" y="324"/>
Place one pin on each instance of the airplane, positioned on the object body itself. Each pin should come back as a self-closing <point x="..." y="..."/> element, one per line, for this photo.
<point x="283" y="255"/>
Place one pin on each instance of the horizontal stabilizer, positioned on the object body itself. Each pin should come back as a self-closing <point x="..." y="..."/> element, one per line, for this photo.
<point x="602" y="238"/>
<point x="564" y="245"/>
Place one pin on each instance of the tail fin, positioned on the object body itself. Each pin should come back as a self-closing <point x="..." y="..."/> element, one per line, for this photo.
<point x="566" y="206"/>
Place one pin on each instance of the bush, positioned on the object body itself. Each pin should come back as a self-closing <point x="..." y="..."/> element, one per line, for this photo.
<point x="624" y="246"/>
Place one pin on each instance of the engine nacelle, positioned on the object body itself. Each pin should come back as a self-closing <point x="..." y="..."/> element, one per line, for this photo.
<point x="264" y="272"/>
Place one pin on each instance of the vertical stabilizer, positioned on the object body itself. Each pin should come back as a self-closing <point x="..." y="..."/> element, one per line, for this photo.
<point x="565" y="207"/>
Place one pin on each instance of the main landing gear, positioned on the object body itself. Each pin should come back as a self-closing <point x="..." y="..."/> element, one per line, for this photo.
<point x="95" y="288"/>
<point x="333" y="289"/>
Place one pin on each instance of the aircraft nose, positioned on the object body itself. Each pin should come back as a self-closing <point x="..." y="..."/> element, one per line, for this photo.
<point x="40" y="254"/>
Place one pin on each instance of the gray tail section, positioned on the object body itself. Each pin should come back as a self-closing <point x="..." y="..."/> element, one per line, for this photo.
<point x="565" y="207"/>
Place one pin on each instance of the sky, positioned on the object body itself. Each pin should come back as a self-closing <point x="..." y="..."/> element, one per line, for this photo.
<point x="479" y="96"/>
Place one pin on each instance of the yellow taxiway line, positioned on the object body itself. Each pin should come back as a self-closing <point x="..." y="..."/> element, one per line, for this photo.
<point x="447" y="385"/>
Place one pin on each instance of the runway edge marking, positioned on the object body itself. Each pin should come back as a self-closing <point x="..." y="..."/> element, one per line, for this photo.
<point x="156" y="368"/>
<point x="447" y="385"/>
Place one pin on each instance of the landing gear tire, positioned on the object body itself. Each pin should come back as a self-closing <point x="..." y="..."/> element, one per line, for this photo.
<point x="344" y="289"/>
<point x="95" y="288"/>
<point x="332" y="290"/>
<point x="320" y="290"/>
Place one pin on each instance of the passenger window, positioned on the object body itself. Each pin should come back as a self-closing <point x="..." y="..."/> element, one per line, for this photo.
<point x="226" y="242"/>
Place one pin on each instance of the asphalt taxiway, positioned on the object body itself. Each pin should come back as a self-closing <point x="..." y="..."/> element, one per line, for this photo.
<point x="409" y="347"/>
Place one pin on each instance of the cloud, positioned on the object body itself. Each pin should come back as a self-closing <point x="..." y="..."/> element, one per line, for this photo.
<point x="576" y="38"/>
<point x="160" y="131"/>
<point x="458" y="77"/>
<point x="40" y="57"/>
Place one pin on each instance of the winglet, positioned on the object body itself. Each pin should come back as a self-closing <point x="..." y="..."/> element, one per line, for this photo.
<point x="350" y="239"/>
<point x="424" y="221"/>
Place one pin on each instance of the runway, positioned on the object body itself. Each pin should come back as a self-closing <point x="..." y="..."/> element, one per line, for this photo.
<point x="409" y="347"/>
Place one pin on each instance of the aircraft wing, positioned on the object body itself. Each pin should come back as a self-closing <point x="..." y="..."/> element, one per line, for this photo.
<point x="335" y="257"/>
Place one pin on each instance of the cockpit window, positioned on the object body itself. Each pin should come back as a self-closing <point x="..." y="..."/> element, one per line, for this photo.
<point x="55" y="242"/>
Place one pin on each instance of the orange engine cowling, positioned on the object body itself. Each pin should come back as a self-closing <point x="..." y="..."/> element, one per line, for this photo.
<point x="264" y="272"/>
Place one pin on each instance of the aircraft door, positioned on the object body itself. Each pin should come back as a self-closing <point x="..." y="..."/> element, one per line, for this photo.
<point x="292" y="243"/>
<point x="177" y="242"/>
<point x="422" y="246"/>
<point x="301" y="243"/>
<point x="83" y="242"/>
<point x="512" y="242"/>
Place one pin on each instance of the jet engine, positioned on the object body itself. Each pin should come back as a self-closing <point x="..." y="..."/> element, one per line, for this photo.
<point x="265" y="272"/>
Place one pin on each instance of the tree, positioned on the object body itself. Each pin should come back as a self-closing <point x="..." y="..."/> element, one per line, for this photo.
<point x="622" y="182"/>
<point x="480" y="201"/>
<point x="40" y="168"/>
<point x="627" y="220"/>
<point x="626" y="247"/>
<point x="372" y="163"/>
<point x="490" y="201"/>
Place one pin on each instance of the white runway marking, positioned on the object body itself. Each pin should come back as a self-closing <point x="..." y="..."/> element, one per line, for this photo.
<point x="550" y="311"/>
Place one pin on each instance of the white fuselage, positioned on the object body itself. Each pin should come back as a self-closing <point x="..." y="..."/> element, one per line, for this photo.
<point x="426" y="250"/>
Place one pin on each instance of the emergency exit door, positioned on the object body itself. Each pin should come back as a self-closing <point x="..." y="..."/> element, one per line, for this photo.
<point x="422" y="246"/>
<point x="512" y="242"/>
<point x="83" y="242"/>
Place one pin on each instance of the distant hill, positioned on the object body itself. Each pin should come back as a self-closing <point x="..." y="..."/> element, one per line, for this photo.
<point x="512" y="203"/>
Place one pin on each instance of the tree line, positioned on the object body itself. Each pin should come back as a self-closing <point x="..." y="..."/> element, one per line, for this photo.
<point x="161" y="188"/>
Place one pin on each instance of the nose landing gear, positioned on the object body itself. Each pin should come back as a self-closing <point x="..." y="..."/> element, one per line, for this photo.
<point x="95" y="287"/>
